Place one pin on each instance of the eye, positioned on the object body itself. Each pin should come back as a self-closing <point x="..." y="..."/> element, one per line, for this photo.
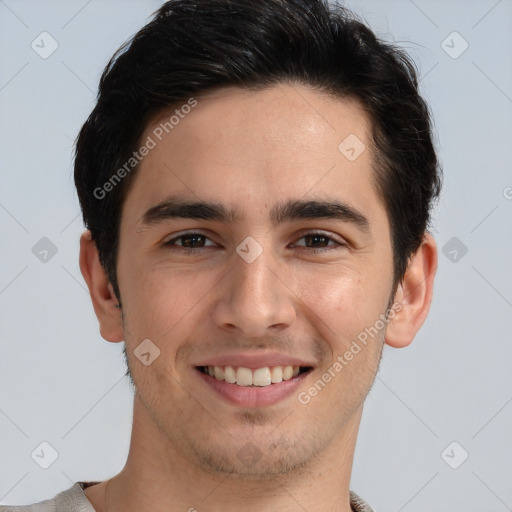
<point x="189" y="241"/>
<point x="320" y="242"/>
<point x="316" y="241"/>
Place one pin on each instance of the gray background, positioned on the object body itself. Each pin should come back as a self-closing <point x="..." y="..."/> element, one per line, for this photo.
<point x="62" y="384"/>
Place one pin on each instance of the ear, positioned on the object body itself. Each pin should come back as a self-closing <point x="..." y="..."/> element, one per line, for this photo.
<point x="414" y="295"/>
<point x="103" y="297"/>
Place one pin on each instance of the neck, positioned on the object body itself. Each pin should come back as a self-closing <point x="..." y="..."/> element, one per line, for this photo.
<point x="158" y="477"/>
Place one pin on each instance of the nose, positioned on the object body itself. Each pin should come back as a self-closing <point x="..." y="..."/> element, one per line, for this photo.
<point x="255" y="298"/>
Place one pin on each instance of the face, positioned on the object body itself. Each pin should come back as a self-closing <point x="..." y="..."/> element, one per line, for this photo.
<point x="286" y="261"/>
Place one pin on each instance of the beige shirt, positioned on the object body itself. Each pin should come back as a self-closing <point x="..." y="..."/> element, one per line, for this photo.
<point x="74" y="500"/>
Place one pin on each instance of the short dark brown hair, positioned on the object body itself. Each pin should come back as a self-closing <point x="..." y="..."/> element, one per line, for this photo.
<point x="194" y="46"/>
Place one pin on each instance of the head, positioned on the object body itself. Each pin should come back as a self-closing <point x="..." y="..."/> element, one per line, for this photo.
<point x="249" y="105"/>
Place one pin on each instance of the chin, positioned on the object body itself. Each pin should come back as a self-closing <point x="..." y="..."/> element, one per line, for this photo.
<point x="256" y="457"/>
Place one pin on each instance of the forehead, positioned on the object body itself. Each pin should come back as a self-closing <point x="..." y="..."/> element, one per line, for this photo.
<point x="253" y="149"/>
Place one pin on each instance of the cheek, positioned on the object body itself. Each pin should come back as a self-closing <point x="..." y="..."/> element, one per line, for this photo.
<point x="345" y="301"/>
<point x="346" y="307"/>
<point x="161" y="303"/>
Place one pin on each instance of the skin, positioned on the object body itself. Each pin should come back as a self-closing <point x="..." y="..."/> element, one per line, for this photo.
<point x="249" y="151"/>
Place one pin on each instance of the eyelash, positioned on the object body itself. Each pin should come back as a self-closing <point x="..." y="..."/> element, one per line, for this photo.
<point x="171" y="244"/>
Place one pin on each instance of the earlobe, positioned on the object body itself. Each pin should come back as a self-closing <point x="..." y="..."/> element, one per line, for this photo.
<point x="102" y="294"/>
<point x="414" y="295"/>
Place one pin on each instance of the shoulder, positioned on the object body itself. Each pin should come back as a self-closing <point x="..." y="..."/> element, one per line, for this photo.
<point x="357" y="503"/>
<point x="43" y="506"/>
<point x="70" y="500"/>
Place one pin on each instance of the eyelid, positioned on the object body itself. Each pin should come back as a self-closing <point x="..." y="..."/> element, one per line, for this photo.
<point x="328" y="234"/>
<point x="331" y="236"/>
<point x="180" y="234"/>
<point x="306" y="232"/>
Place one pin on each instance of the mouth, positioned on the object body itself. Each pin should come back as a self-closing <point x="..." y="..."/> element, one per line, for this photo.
<point x="253" y="387"/>
<point x="258" y="377"/>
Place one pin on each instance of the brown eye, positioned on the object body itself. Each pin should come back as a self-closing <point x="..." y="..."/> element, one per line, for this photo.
<point x="315" y="240"/>
<point x="319" y="241"/>
<point x="189" y="241"/>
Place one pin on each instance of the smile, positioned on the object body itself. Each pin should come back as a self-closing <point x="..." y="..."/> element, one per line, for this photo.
<point x="259" y="377"/>
<point x="253" y="387"/>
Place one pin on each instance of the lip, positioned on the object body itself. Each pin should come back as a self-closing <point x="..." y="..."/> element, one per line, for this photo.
<point x="253" y="397"/>
<point x="254" y="360"/>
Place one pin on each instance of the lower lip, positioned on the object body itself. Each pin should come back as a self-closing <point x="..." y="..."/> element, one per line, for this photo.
<point x="257" y="396"/>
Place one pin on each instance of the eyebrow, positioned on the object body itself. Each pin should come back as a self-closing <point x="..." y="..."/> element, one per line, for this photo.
<point x="177" y="207"/>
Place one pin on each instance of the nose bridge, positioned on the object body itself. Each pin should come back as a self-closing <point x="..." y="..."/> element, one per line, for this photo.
<point x="252" y="298"/>
<point x="255" y="280"/>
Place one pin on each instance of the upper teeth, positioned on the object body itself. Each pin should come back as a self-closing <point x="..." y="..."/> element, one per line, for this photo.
<point x="248" y="377"/>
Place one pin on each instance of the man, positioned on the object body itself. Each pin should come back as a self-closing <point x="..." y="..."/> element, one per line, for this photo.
<point x="256" y="179"/>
